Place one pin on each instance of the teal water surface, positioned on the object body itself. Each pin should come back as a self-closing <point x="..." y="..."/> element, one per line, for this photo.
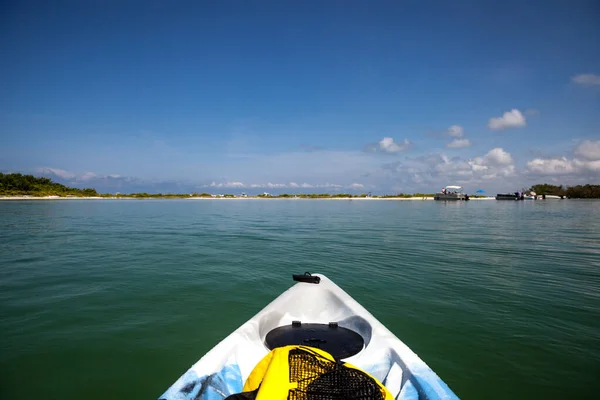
<point x="117" y="298"/>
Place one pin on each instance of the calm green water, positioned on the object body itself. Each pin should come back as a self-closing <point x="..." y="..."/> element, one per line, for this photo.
<point x="116" y="299"/>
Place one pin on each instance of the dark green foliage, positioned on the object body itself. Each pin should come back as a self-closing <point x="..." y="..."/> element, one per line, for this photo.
<point x="22" y="185"/>
<point x="546" y="188"/>
<point x="583" y="192"/>
<point x="573" y="192"/>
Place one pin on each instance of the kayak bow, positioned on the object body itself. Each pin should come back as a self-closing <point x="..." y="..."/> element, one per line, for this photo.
<point x="316" y="313"/>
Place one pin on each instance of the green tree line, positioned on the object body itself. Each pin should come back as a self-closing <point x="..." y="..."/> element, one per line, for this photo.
<point x="21" y="185"/>
<point x="573" y="192"/>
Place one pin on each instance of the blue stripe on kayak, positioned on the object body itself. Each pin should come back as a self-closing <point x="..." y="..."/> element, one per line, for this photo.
<point x="216" y="386"/>
<point x="424" y="386"/>
<point x="408" y="392"/>
<point x="421" y="385"/>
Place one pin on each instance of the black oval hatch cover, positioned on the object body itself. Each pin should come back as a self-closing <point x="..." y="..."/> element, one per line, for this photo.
<point x="339" y="342"/>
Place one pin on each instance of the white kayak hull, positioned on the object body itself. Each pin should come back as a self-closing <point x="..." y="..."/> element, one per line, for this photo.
<point x="224" y="369"/>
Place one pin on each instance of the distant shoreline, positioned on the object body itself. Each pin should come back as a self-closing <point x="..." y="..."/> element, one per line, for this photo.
<point x="17" y="198"/>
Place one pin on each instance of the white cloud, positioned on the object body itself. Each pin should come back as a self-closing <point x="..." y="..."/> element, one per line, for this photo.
<point x="497" y="156"/>
<point x="586" y="79"/>
<point x="455" y="131"/>
<point x="87" y="176"/>
<point x="477" y="165"/>
<point x="588" y="166"/>
<point x="459" y="143"/>
<point x="61" y="173"/>
<point x="271" y="185"/>
<point x="433" y="171"/>
<point x="356" y="186"/>
<point x="494" y="164"/>
<point x="587" y="160"/>
<point x="388" y="145"/>
<point x="588" y="149"/>
<point x="74" y="178"/>
<point x="227" y="185"/>
<point x="510" y="119"/>
<point x="557" y="166"/>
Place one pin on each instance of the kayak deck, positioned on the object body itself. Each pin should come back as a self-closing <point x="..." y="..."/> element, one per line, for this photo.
<point x="364" y="343"/>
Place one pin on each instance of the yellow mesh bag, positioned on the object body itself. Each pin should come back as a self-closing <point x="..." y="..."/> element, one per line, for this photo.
<point x="307" y="373"/>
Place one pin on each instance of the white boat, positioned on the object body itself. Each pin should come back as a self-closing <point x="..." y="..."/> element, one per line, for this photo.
<point x="309" y="313"/>
<point x="451" y="192"/>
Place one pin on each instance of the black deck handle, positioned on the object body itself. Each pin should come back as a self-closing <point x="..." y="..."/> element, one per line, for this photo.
<point x="306" y="278"/>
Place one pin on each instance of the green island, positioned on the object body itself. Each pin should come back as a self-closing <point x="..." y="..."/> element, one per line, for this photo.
<point x="572" y="192"/>
<point x="29" y="185"/>
<point x="16" y="185"/>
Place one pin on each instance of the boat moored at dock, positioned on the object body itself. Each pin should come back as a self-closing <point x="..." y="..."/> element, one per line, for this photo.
<point x="451" y="192"/>
<point x="510" y="196"/>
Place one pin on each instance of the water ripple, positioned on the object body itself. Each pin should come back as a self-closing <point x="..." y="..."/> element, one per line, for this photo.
<point x="502" y="295"/>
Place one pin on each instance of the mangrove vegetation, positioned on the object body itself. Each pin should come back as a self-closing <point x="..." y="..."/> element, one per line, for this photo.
<point x="29" y="185"/>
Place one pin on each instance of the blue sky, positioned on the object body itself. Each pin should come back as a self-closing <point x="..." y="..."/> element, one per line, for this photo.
<point x="311" y="96"/>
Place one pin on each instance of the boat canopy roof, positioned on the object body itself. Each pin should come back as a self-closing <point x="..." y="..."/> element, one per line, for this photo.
<point x="453" y="187"/>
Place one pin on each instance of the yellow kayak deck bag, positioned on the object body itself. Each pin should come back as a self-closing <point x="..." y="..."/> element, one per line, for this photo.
<point x="307" y="373"/>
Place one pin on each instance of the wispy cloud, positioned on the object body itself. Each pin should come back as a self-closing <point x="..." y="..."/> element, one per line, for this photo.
<point x="340" y="167"/>
<point x="116" y="183"/>
<point x="310" y="149"/>
<point x="61" y="173"/>
<point x="388" y="145"/>
<point x="497" y="156"/>
<point x="87" y="176"/>
<point x="532" y="112"/>
<point x="586" y="79"/>
<point x="335" y="171"/>
<point x="557" y="166"/>
<point x="458" y="143"/>
<point x="588" y="150"/>
<point x="435" y="170"/>
<point x="456" y="131"/>
<point x="356" y="186"/>
<point x="510" y="119"/>
<point x="73" y="177"/>
<point x="289" y="185"/>
<point x="227" y="185"/>
<point x="586" y="161"/>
